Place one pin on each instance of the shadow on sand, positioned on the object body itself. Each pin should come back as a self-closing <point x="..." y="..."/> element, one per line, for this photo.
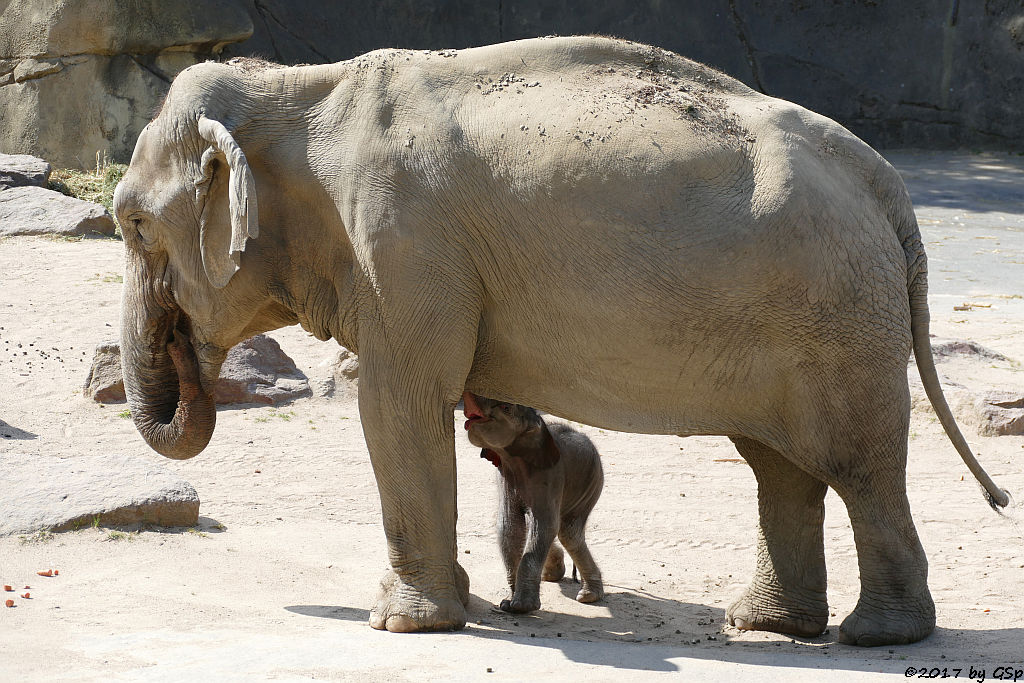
<point x="600" y="640"/>
<point x="9" y="432"/>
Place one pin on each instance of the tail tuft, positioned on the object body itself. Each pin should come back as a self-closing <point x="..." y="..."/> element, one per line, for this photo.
<point x="995" y="504"/>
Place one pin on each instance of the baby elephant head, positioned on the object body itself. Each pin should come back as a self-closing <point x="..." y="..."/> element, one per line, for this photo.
<point x="492" y="424"/>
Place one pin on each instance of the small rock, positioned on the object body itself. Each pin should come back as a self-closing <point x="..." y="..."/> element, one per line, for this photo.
<point x="66" y="493"/>
<point x="30" y="210"/>
<point x="1000" y="414"/>
<point x="963" y="347"/>
<point x="21" y="169"/>
<point x="104" y="383"/>
<point x="979" y="386"/>
<point x="343" y="374"/>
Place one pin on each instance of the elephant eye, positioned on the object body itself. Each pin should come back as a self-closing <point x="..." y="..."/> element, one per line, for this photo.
<point x="505" y="408"/>
<point x="143" y="229"/>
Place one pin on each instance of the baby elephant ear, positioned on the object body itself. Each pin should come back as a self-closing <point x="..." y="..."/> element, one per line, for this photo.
<point x="224" y="226"/>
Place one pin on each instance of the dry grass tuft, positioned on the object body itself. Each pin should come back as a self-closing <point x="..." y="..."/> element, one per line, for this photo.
<point x="96" y="185"/>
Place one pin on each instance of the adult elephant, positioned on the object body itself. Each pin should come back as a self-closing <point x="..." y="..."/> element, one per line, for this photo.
<point x="600" y="229"/>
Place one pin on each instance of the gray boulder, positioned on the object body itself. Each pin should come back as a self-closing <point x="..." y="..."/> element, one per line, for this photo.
<point x="33" y="210"/>
<point x="22" y="169"/>
<point x="255" y="371"/>
<point x="258" y="371"/>
<point x="67" y="493"/>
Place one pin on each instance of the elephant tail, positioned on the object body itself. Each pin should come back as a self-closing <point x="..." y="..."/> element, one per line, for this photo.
<point x="903" y="219"/>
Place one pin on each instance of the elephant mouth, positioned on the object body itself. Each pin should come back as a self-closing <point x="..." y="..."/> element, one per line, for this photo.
<point x="471" y="409"/>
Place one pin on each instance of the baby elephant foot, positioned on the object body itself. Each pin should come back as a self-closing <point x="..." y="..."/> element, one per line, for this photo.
<point x="554" y="567"/>
<point x="591" y="592"/>
<point x="520" y="605"/>
<point x="401" y="607"/>
<point x="760" y="610"/>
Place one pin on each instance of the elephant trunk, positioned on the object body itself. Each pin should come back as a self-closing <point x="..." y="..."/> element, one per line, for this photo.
<point x="169" y="405"/>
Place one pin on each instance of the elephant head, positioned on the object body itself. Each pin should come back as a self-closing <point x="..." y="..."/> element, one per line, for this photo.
<point x="187" y="209"/>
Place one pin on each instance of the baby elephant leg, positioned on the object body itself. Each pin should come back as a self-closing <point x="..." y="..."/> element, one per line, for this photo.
<point x="554" y="566"/>
<point x="573" y="537"/>
<point x="511" y="535"/>
<point x="541" y="534"/>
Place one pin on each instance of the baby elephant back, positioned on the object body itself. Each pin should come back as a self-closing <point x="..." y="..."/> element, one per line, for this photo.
<point x="584" y="476"/>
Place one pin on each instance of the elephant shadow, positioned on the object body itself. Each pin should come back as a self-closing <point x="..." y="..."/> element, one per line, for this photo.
<point x="639" y="631"/>
<point x="10" y="432"/>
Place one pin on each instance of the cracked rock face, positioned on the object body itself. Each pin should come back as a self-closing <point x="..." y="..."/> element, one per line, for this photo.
<point x="79" y="77"/>
<point x="915" y="73"/>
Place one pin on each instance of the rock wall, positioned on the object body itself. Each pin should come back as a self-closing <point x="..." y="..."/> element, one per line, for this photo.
<point x="82" y="76"/>
<point x="79" y="77"/>
<point x="919" y="73"/>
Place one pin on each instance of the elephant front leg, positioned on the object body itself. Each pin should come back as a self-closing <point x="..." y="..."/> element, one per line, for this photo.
<point x="787" y="593"/>
<point x="526" y="595"/>
<point x="511" y="535"/>
<point x="411" y="442"/>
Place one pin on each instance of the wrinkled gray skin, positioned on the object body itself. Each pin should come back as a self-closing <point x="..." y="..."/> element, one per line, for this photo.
<point x="551" y="478"/>
<point x="613" y="234"/>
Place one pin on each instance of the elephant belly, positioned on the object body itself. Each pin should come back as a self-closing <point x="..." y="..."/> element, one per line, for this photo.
<point x="706" y="338"/>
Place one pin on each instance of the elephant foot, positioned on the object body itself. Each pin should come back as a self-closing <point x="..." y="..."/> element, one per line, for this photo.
<point x="462" y="584"/>
<point x="874" y="626"/>
<point x="402" y="608"/>
<point x="759" y="610"/>
<point x="520" y="605"/>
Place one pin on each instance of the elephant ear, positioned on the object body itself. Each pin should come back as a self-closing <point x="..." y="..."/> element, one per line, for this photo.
<point x="542" y="458"/>
<point x="222" y="242"/>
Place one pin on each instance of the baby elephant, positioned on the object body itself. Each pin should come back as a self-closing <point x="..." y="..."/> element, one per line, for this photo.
<point x="551" y="476"/>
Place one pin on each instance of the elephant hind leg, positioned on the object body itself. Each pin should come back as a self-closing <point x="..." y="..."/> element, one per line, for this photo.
<point x="866" y="465"/>
<point x="573" y="536"/>
<point x="787" y="593"/>
<point x="554" y="565"/>
<point x="895" y="606"/>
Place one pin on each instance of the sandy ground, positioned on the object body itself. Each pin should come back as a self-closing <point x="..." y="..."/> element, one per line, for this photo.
<point x="277" y="580"/>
